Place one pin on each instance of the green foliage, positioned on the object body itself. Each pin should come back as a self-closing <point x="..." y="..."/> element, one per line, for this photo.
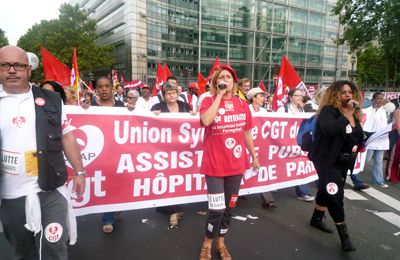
<point x="3" y="38"/>
<point x="374" y="22"/>
<point x="371" y="67"/>
<point x="72" y="29"/>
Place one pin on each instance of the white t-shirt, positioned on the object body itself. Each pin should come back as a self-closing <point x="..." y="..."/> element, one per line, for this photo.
<point x="142" y="104"/>
<point x="261" y="109"/>
<point x="18" y="136"/>
<point x="376" y="119"/>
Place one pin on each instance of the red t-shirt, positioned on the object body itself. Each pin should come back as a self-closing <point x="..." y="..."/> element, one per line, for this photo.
<point x="224" y="143"/>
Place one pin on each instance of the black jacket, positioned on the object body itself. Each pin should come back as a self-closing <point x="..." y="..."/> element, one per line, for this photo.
<point x="52" y="170"/>
<point x="330" y="137"/>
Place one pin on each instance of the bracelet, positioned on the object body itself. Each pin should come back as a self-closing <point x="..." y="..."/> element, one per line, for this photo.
<point x="80" y="173"/>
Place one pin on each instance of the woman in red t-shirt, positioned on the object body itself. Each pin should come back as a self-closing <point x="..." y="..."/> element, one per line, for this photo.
<point x="228" y="123"/>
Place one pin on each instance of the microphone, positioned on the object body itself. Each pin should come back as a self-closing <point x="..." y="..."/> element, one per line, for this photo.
<point x="221" y="86"/>
<point x="356" y="106"/>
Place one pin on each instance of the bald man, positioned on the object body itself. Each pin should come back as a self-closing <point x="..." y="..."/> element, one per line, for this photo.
<point x="34" y="132"/>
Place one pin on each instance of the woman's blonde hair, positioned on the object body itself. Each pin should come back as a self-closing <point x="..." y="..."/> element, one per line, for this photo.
<point x="331" y="96"/>
<point x="213" y="83"/>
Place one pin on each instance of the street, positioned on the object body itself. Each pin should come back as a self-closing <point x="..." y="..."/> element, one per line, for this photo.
<point x="281" y="233"/>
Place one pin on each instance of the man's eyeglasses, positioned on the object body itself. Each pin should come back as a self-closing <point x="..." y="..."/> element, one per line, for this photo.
<point x="5" y="66"/>
<point x="131" y="97"/>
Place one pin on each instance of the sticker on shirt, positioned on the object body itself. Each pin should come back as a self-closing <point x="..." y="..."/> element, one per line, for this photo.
<point x="349" y="129"/>
<point x="332" y="188"/>
<point x="11" y="162"/>
<point x="237" y="152"/>
<point x="53" y="232"/>
<point x="216" y="201"/>
<point x="230" y="143"/>
<point x="19" y="121"/>
<point x="221" y="111"/>
<point x="40" y="101"/>
<point x="229" y="106"/>
<point x="354" y="149"/>
<point x="31" y="163"/>
<point x="233" y="201"/>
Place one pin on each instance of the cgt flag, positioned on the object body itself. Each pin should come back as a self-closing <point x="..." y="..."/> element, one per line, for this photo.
<point x="287" y="80"/>
<point x="160" y="79"/>
<point x="55" y="70"/>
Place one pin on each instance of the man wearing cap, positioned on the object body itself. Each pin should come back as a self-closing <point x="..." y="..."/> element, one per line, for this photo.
<point x="191" y="95"/>
<point x="143" y="102"/>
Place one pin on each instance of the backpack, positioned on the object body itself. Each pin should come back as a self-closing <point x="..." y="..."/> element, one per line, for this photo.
<point x="306" y="134"/>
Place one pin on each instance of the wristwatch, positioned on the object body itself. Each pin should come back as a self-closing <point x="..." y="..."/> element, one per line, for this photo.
<point x="80" y="173"/>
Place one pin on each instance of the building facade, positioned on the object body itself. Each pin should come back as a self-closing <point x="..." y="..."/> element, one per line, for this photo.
<point x="250" y="35"/>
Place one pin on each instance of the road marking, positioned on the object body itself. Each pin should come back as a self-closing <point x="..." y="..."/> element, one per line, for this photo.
<point x="386" y="199"/>
<point x="389" y="217"/>
<point x="352" y="195"/>
<point x="396" y="234"/>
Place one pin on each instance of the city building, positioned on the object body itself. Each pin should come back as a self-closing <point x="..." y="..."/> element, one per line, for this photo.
<point x="250" y="35"/>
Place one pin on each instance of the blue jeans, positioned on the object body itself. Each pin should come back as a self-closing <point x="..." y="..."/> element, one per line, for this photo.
<point x="356" y="179"/>
<point x="302" y="190"/>
<point x="108" y="218"/>
<point x="377" y="168"/>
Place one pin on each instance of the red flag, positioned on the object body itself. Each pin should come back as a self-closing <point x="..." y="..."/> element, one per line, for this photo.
<point x="54" y="69"/>
<point x="287" y="80"/>
<point x="90" y="86"/>
<point x="122" y="80"/>
<point x="75" y="76"/>
<point x="202" y="83"/>
<point x="167" y="72"/>
<point x="262" y="86"/>
<point x="159" y="80"/>
<point x="215" y="65"/>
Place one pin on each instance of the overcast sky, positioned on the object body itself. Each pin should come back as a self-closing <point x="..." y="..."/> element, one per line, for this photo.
<point x="17" y="16"/>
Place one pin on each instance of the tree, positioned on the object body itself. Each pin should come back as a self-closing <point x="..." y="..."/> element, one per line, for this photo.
<point x="3" y="38"/>
<point x="72" y="29"/>
<point x="373" y="22"/>
<point x="370" y="67"/>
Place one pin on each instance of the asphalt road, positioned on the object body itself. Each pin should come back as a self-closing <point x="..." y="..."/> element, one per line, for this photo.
<point x="281" y="233"/>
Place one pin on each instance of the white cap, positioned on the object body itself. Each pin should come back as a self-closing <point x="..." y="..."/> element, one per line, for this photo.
<point x="254" y="91"/>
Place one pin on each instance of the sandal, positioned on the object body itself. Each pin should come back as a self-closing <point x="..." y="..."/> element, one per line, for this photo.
<point x="108" y="228"/>
<point x="173" y="220"/>
<point x="205" y="253"/>
<point x="224" y="254"/>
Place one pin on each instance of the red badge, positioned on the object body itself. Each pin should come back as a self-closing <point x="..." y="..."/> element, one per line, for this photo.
<point x="233" y="201"/>
<point x="40" y="101"/>
<point x="19" y="121"/>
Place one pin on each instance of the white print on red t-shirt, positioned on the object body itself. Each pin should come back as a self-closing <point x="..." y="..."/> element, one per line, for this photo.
<point x="40" y="101"/>
<point x="216" y="201"/>
<point x="221" y="111"/>
<point x="19" y="121"/>
<point x="230" y="143"/>
<point x="53" y="232"/>
<point x="332" y="188"/>
<point x="217" y="119"/>
<point x="229" y="106"/>
<point x="237" y="152"/>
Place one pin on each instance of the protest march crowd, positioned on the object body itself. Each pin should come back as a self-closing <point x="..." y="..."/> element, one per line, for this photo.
<point x="35" y="134"/>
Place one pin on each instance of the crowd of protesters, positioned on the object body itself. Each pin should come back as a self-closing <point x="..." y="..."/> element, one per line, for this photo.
<point x="341" y="131"/>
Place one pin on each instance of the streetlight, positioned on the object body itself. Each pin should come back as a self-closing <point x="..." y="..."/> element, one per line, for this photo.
<point x="353" y="60"/>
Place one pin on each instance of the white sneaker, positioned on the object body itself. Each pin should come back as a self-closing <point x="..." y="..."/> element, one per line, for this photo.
<point x="307" y="198"/>
<point x="384" y="185"/>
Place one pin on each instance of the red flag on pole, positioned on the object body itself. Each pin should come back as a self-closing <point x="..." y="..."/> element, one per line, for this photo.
<point x="75" y="76"/>
<point x="90" y="86"/>
<point x="167" y="72"/>
<point x="262" y="86"/>
<point x="122" y="80"/>
<point x="54" y="69"/>
<point x="202" y="83"/>
<point x="159" y="80"/>
<point x="287" y="80"/>
<point x="215" y="65"/>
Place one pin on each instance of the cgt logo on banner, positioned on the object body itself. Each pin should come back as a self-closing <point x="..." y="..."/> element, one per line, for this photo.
<point x="140" y="160"/>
